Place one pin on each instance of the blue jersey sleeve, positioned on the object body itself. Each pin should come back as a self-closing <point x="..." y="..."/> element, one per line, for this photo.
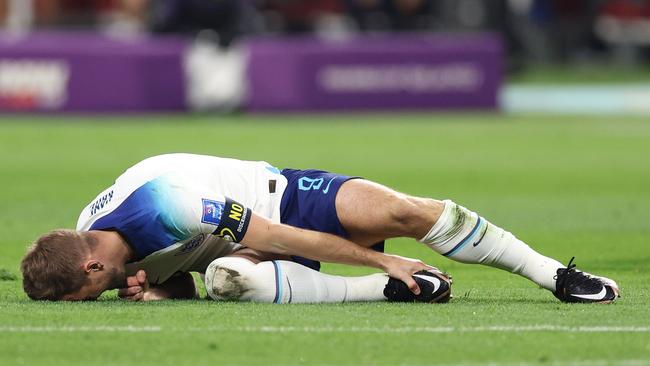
<point x="168" y="210"/>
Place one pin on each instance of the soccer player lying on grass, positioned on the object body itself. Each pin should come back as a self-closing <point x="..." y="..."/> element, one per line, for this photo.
<point x="173" y="214"/>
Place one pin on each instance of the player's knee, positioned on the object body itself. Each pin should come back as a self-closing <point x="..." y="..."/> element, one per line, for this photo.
<point x="238" y="279"/>
<point x="224" y="278"/>
<point x="411" y="216"/>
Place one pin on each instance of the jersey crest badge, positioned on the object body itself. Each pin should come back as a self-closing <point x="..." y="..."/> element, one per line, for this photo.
<point x="212" y="211"/>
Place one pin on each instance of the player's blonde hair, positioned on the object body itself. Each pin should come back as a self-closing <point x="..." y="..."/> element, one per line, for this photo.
<point x="53" y="265"/>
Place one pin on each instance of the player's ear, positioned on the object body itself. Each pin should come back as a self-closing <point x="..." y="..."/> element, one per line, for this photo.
<point x="93" y="265"/>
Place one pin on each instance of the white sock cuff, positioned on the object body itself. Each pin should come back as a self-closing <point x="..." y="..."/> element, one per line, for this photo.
<point x="441" y="225"/>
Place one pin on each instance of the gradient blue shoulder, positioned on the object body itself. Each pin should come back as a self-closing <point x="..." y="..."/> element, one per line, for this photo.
<point x="151" y="218"/>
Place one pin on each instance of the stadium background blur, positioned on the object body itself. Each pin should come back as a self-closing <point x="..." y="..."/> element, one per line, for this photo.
<point x="543" y="41"/>
<point x="543" y="30"/>
<point x="533" y="113"/>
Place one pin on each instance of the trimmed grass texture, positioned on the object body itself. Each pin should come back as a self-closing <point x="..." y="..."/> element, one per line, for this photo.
<point x="566" y="185"/>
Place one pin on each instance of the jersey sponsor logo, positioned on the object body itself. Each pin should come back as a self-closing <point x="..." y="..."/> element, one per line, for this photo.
<point x="234" y="221"/>
<point x="101" y="202"/>
<point x="212" y="211"/>
<point x="194" y="243"/>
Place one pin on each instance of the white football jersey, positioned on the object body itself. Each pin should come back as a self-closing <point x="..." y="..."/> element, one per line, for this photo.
<point x="179" y="212"/>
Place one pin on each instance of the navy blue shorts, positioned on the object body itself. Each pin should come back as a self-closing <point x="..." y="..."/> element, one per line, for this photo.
<point x="309" y="202"/>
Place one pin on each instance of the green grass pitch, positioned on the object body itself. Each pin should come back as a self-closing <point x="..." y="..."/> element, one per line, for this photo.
<point x="567" y="185"/>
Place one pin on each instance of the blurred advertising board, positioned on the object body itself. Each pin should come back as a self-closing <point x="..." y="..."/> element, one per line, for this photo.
<point x="89" y="72"/>
<point x="81" y="72"/>
<point x="375" y="72"/>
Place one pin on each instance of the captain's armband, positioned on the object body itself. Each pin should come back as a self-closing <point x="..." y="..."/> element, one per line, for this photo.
<point x="231" y="218"/>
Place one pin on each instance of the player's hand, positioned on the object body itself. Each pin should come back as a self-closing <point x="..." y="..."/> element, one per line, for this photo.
<point x="137" y="287"/>
<point x="403" y="268"/>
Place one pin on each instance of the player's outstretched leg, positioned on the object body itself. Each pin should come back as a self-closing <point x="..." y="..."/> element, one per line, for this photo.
<point x="467" y="237"/>
<point x="239" y="279"/>
<point x="371" y="212"/>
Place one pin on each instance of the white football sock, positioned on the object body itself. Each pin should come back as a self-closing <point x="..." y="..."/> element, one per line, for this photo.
<point x="236" y="278"/>
<point x="463" y="235"/>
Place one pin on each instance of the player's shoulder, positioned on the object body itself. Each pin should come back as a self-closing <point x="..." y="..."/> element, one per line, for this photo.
<point x="100" y="203"/>
<point x="133" y="189"/>
<point x="168" y="182"/>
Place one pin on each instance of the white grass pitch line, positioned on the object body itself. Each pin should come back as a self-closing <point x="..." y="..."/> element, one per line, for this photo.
<point x="310" y="329"/>
<point x="624" y="362"/>
<point x="487" y="329"/>
<point x="79" y="329"/>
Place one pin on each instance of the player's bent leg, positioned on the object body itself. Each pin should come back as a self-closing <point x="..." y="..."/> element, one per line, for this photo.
<point x="280" y="281"/>
<point x="370" y="211"/>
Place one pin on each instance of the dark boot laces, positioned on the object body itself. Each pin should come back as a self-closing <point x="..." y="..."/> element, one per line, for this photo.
<point x="576" y="278"/>
<point x="561" y="272"/>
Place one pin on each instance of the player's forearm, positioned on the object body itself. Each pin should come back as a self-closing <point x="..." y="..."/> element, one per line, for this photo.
<point x="264" y="235"/>
<point x="284" y="239"/>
